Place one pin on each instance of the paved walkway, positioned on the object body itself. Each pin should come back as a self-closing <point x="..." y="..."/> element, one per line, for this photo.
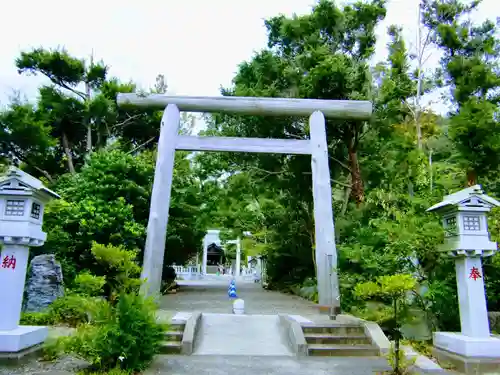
<point x="248" y="365"/>
<point x="211" y="297"/>
<point x="228" y="334"/>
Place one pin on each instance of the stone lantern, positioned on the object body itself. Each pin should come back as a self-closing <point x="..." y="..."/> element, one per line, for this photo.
<point x="22" y="201"/>
<point x="467" y="240"/>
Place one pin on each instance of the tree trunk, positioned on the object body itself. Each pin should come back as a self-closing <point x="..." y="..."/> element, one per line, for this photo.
<point x="396" y="338"/>
<point x="410" y="183"/>
<point x="67" y="151"/>
<point x="99" y="141"/>
<point x="89" y="138"/>
<point x="347" y="194"/>
<point x="419" y="129"/>
<point x="45" y="173"/>
<point x="89" y="120"/>
<point x="313" y="245"/>
<point x="430" y="169"/>
<point x="357" y="191"/>
<point x="42" y="171"/>
<point x="419" y="80"/>
<point x="471" y="177"/>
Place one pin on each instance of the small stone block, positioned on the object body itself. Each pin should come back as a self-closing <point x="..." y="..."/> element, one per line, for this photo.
<point x="181" y="317"/>
<point x="21" y="338"/>
<point x="323" y="309"/>
<point x="328" y="309"/>
<point x="239" y="306"/>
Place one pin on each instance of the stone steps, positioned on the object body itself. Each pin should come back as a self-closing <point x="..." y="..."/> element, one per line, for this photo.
<point x="333" y="329"/>
<point x="176" y="327"/>
<point x="173" y="339"/>
<point x="342" y="350"/>
<point x="228" y="334"/>
<point x="171" y="347"/>
<point x="335" y="340"/>
<point x="173" y="336"/>
<point x="325" y="338"/>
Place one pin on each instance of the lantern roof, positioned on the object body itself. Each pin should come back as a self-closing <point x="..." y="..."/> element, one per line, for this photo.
<point x="471" y="197"/>
<point x="18" y="180"/>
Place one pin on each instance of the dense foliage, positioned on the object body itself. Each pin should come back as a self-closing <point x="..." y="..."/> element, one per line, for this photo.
<point x="117" y="332"/>
<point x="384" y="172"/>
<point x="394" y="290"/>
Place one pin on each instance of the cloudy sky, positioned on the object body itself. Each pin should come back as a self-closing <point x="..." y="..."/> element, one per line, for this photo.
<point x="196" y="44"/>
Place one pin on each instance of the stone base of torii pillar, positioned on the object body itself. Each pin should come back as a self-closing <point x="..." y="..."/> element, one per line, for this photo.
<point x="474" y="350"/>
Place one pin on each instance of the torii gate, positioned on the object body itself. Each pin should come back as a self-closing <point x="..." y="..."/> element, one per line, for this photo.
<point x="212" y="236"/>
<point x="316" y="146"/>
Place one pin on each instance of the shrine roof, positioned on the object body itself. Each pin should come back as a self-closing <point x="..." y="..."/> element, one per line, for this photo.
<point x="214" y="248"/>
<point x="28" y="180"/>
<point x="462" y="196"/>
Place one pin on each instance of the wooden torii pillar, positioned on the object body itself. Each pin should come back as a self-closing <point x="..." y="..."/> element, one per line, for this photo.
<point x="170" y="140"/>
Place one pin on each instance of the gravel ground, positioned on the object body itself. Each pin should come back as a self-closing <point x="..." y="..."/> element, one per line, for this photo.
<point x="33" y="366"/>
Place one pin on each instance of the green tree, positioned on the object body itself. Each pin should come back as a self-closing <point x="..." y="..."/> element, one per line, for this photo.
<point x="469" y="67"/>
<point x="108" y="202"/>
<point x="320" y="55"/>
<point x="323" y="55"/>
<point x="79" y="108"/>
<point x="70" y="111"/>
<point x="25" y="137"/>
<point x="394" y="289"/>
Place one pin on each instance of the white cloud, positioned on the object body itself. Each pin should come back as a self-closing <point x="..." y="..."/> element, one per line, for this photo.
<point x="196" y="44"/>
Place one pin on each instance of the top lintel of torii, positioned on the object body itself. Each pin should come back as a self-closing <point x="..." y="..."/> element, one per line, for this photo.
<point x="338" y="109"/>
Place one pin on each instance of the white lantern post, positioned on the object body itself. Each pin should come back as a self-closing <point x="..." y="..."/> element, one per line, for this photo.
<point x="22" y="201"/>
<point x="467" y="240"/>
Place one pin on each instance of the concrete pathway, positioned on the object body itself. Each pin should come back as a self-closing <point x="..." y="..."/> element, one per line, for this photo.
<point x="228" y="334"/>
<point x="211" y="297"/>
<point x="249" y="344"/>
<point x="248" y="365"/>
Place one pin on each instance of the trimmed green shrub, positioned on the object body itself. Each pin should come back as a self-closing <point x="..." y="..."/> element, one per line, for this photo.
<point x="42" y="318"/>
<point x="121" y="269"/>
<point x="72" y="310"/>
<point x="125" y="335"/>
<point x="87" y="284"/>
